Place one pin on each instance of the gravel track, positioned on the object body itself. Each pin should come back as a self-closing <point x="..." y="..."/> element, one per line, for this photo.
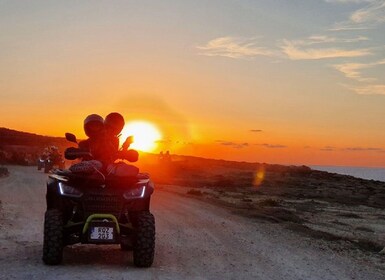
<point x="194" y="240"/>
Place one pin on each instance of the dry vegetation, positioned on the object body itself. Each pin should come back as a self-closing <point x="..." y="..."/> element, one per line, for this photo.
<point x="346" y="212"/>
<point x="343" y="209"/>
<point x="24" y="148"/>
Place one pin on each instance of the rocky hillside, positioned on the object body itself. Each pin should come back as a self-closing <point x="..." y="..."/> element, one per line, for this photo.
<point x="23" y="148"/>
<point x="9" y="137"/>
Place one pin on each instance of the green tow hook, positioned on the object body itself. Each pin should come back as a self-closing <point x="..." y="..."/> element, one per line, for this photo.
<point x="100" y="216"/>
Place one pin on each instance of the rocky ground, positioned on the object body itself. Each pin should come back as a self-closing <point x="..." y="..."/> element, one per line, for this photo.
<point x="216" y="220"/>
<point x="348" y="213"/>
<point x="3" y="172"/>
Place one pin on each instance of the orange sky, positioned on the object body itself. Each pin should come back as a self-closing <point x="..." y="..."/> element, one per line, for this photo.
<point x="291" y="82"/>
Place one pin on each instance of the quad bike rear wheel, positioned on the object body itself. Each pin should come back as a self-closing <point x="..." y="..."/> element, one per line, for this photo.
<point x="144" y="240"/>
<point x="53" y="237"/>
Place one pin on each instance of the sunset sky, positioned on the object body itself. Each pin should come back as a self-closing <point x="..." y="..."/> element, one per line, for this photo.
<point x="290" y="82"/>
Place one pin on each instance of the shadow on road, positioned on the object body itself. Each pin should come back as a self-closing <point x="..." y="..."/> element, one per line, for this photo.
<point x="78" y="255"/>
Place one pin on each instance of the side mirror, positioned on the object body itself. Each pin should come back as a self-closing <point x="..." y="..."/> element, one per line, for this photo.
<point x="71" y="137"/>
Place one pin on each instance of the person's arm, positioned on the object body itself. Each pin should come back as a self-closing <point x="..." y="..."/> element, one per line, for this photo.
<point x="130" y="155"/>
<point x="85" y="145"/>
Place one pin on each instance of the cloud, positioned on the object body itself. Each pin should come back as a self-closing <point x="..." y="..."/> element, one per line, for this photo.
<point x="256" y="130"/>
<point x="378" y="89"/>
<point x="328" y="149"/>
<point x="364" y="14"/>
<point x="352" y="149"/>
<point x="322" y="39"/>
<point x="293" y="50"/>
<point x="272" y="146"/>
<point x="360" y="149"/>
<point x="352" y="70"/>
<point x="367" y="17"/>
<point x="374" y="12"/>
<point x="233" y="144"/>
<point x="234" y="47"/>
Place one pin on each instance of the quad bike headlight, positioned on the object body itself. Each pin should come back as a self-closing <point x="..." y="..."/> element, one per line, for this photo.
<point x="69" y="191"/>
<point x="135" y="193"/>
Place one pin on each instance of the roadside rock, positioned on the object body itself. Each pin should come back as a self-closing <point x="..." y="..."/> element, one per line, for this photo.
<point x="3" y="172"/>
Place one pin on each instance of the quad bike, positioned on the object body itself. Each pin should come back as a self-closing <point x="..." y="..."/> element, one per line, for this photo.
<point x="98" y="209"/>
<point x="48" y="165"/>
<point x="40" y="163"/>
<point x="54" y="159"/>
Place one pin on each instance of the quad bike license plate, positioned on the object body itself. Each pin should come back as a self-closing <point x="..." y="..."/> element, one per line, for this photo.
<point x="102" y="233"/>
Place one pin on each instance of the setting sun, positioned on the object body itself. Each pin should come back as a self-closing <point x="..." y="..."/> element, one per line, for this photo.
<point x="145" y="135"/>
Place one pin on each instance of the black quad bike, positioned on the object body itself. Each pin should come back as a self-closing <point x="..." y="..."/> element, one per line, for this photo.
<point x="98" y="209"/>
<point x="40" y="163"/>
<point x="53" y="160"/>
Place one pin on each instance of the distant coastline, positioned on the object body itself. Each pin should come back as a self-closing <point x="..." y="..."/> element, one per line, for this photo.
<point x="369" y="173"/>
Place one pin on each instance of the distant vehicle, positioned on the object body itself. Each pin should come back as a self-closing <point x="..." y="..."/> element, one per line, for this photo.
<point x="98" y="208"/>
<point x="51" y="158"/>
<point x="41" y="160"/>
<point x="40" y="163"/>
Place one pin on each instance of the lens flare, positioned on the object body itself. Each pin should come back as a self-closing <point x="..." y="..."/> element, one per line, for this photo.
<point x="259" y="176"/>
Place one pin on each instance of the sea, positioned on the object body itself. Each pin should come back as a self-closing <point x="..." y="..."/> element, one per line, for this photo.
<point x="370" y="173"/>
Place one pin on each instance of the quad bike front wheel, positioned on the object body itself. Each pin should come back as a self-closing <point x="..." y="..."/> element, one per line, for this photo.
<point x="144" y="240"/>
<point x="53" y="237"/>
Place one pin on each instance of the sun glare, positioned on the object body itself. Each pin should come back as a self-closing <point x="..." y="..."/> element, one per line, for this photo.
<point x="145" y="135"/>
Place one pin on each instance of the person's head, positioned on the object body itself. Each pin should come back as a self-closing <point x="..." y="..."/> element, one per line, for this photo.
<point x="93" y="125"/>
<point x="114" y="123"/>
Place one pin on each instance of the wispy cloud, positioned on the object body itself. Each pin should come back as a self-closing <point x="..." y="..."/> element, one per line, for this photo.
<point x="328" y="149"/>
<point x="233" y="144"/>
<point x="322" y="39"/>
<point x="345" y="50"/>
<point x="256" y="130"/>
<point x="296" y="50"/>
<point x="353" y="149"/>
<point x="272" y="146"/>
<point x="234" y="47"/>
<point x="370" y="14"/>
<point x="378" y="89"/>
<point x="374" y="12"/>
<point x="367" y="17"/>
<point x="353" y="70"/>
<point x="293" y="49"/>
<point x="361" y="149"/>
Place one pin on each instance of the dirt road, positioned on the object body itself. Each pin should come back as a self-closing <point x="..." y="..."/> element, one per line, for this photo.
<point x="194" y="240"/>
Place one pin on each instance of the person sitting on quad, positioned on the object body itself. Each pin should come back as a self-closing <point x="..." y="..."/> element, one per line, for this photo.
<point x="96" y="142"/>
<point x="103" y="144"/>
<point x="113" y="125"/>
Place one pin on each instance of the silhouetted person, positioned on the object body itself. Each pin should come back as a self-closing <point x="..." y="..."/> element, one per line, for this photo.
<point x="103" y="144"/>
